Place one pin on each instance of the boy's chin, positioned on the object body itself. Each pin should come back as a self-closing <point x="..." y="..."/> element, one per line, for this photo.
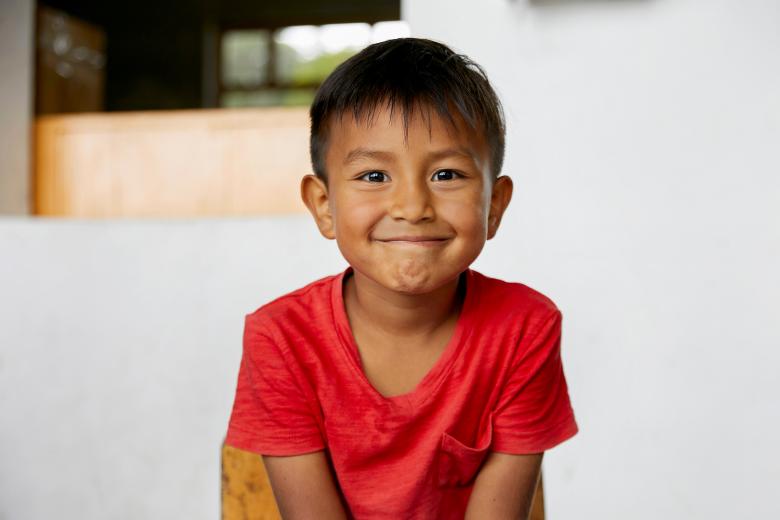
<point x="411" y="278"/>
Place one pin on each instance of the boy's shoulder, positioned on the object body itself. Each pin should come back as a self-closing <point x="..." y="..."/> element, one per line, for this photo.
<point x="306" y="302"/>
<point x="504" y="298"/>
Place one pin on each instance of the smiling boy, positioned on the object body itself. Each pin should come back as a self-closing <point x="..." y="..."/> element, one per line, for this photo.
<point x="409" y="385"/>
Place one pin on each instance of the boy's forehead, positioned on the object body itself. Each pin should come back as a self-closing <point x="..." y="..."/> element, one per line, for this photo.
<point x="422" y="123"/>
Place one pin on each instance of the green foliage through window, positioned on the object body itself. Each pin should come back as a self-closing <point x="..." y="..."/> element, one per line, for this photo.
<point x="284" y="67"/>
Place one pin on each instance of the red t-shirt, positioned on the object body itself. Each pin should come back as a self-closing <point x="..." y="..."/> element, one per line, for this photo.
<point x="499" y="385"/>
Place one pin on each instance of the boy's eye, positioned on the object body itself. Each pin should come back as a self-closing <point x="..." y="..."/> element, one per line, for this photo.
<point x="374" y="176"/>
<point x="445" y="175"/>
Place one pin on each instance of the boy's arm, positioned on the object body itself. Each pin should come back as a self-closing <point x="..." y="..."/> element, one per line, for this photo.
<point x="304" y="487"/>
<point x="533" y="414"/>
<point x="505" y="487"/>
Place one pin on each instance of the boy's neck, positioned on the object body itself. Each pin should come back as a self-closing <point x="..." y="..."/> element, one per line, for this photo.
<point x="393" y="315"/>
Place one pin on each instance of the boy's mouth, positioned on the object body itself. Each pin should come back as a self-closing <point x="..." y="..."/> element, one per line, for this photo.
<point x="414" y="240"/>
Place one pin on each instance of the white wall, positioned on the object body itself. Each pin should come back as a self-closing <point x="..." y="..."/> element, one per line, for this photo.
<point x="17" y="40"/>
<point x="119" y="351"/>
<point x="644" y="139"/>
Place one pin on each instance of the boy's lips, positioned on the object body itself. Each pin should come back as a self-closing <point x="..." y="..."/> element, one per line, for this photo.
<point x="414" y="240"/>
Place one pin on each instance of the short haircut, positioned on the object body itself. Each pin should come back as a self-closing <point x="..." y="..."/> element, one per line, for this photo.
<point x="410" y="72"/>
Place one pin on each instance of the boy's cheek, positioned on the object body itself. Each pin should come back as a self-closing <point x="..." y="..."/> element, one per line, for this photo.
<point x="356" y="214"/>
<point x="465" y="214"/>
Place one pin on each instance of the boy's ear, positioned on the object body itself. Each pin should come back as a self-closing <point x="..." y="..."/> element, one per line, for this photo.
<point x="499" y="200"/>
<point x="314" y="193"/>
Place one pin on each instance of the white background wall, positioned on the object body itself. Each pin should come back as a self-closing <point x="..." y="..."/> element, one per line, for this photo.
<point x="644" y="139"/>
<point x="643" y="142"/>
<point x="119" y="350"/>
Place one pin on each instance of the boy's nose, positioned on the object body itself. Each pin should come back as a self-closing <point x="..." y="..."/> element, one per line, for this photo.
<point x="411" y="201"/>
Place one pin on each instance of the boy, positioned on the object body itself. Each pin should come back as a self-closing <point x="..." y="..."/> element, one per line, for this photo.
<point x="407" y="386"/>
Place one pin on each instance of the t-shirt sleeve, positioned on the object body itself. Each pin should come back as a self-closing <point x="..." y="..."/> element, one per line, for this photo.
<point x="534" y="413"/>
<point x="271" y="414"/>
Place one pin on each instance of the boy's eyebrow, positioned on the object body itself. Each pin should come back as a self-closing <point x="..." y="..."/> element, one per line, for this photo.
<point x="365" y="153"/>
<point x="461" y="151"/>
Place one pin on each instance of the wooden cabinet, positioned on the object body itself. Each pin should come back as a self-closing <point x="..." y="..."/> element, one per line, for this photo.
<point x="70" y="64"/>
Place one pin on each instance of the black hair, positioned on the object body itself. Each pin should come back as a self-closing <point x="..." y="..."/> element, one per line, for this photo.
<point x="410" y="72"/>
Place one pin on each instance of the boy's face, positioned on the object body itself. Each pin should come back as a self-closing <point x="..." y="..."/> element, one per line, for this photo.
<point x="409" y="215"/>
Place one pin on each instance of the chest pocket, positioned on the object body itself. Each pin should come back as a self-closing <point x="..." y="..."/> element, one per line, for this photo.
<point x="459" y="463"/>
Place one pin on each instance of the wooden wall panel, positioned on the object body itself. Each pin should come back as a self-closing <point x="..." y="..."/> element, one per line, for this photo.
<point x="172" y="164"/>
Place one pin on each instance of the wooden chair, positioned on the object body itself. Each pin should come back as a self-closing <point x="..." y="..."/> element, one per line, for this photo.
<point x="247" y="495"/>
